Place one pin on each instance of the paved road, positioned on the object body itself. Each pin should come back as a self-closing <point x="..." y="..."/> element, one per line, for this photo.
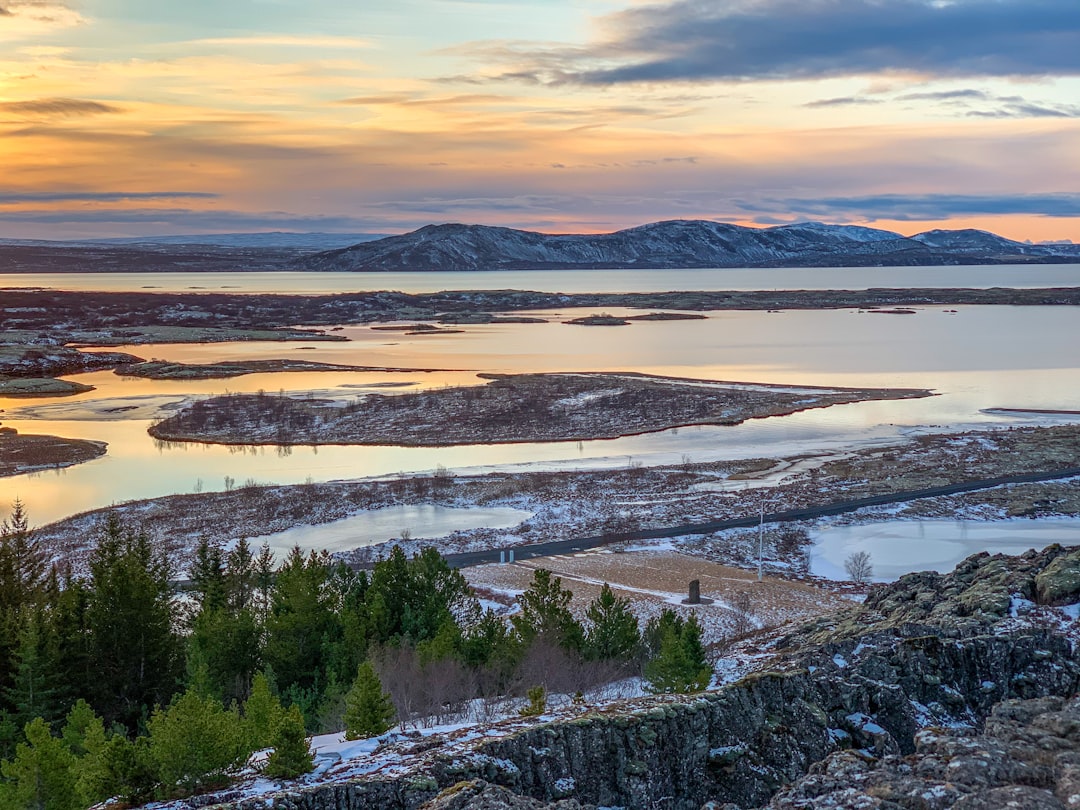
<point x="585" y="543"/>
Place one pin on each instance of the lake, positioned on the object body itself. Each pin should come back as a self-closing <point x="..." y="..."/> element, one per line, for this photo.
<point x="567" y="281"/>
<point x="899" y="547"/>
<point x="975" y="359"/>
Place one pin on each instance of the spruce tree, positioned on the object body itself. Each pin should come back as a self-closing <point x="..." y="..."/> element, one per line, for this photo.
<point x="134" y="649"/>
<point x="613" y="629"/>
<point x="33" y="692"/>
<point x="368" y="710"/>
<point x="292" y="753"/>
<point x="301" y="624"/>
<point x="22" y="576"/>
<point x="41" y="774"/>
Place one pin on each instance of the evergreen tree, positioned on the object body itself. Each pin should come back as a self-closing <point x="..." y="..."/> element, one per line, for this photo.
<point x="545" y="611"/>
<point x="240" y="576"/>
<point x="263" y="713"/>
<point x="69" y="648"/>
<point x="263" y="579"/>
<point x="23" y="564"/>
<point x="33" y="692"/>
<point x="84" y="736"/>
<point x="413" y="599"/>
<point x="207" y="575"/>
<point x="486" y="640"/>
<point x="134" y="650"/>
<point x="42" y="772"/>
<point x="22" y="576"/>
<point x="77" y="726"/>
<point x="292" y="754"/>
<point x="126" y="769"/>
<point x="196" y="742"/>
<point x="613" y="629"/>
<point x="368" y="710"/>
<point x="224" y="649"/>
<point x="301" y="625"/>
<point x="9" y="735"/>
<point x="679" y="664"/>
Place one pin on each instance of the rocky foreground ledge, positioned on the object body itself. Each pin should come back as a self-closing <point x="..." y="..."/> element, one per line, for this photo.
<point x="884" y="705"/>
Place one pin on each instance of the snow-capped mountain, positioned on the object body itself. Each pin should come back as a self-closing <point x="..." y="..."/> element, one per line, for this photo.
<point x="676" y="244"/>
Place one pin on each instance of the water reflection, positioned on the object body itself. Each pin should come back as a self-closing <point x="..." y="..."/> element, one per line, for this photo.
<point x="567" y="281"/>
<point x="900" y="547"/>
<point x="982" y="357"/>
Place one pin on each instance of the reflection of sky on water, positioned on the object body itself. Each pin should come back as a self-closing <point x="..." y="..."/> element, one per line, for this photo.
<point x="900" y="547"/>
<point x="569" y="281"/>
<point x="981" y="357"/>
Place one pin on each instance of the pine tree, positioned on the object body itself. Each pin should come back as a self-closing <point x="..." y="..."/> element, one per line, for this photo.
<point x="486" y="639"/>
<point x="42" y="772"/>
<point x="292" y="754"/>
<point x="368" y="710"/>
<point x="196" y="742"/>
<point x="84" y="736"/>
<point x="263" y="713"/>
<point x="679" y="663"/>
<point x="77" y="726"/>
<point x="545" y="611"/>
<point x="613" y="629"/>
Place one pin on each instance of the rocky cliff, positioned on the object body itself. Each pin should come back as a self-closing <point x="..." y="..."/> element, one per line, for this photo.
<point x="848" y="700"/>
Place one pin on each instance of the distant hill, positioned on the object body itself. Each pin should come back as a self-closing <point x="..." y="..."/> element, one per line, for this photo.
<point x="454" y="248"/>
<point x="678" y="244"/>
<point x="229" y="252"/>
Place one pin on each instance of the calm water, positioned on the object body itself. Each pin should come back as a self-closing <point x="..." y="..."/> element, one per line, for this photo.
<point x="569" y="281"/>
<point x="902" y="546"/>
<point x="388" y="523"/>
<point x="978" y="358"/>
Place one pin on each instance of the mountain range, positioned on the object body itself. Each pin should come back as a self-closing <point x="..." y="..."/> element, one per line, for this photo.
<point x="679" y="244"/>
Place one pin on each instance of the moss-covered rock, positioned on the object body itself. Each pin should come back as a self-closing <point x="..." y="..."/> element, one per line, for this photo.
<point x="1059" y="582"/>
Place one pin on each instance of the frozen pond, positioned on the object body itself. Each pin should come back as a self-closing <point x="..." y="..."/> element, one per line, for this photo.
<point x="379" y="525"/>
<point x="900" y="547"/>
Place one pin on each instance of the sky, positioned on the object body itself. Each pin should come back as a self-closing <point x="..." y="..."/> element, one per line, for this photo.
<point x="138" y="117"/>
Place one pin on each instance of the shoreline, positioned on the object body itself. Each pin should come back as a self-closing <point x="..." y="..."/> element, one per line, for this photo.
<point x="510" y="409"/>
<point x="25" y="453"/>
<point x="572" y="503"/>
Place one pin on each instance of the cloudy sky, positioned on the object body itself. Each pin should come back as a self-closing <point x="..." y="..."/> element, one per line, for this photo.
<point x="129" y="117"/>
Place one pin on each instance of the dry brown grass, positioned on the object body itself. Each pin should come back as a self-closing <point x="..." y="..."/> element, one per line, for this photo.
<point x="654" y="580"/>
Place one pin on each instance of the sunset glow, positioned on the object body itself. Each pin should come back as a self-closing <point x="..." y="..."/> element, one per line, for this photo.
<point x="132" y="117"/>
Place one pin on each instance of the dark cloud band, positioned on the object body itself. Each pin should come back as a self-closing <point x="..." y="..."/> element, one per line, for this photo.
<point x="920" y="207"/>
<point x="58" y="107"/>
<point x="799" y="39"/>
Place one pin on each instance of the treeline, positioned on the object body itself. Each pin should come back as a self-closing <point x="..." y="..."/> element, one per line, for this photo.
<point x="115" y="684"/>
